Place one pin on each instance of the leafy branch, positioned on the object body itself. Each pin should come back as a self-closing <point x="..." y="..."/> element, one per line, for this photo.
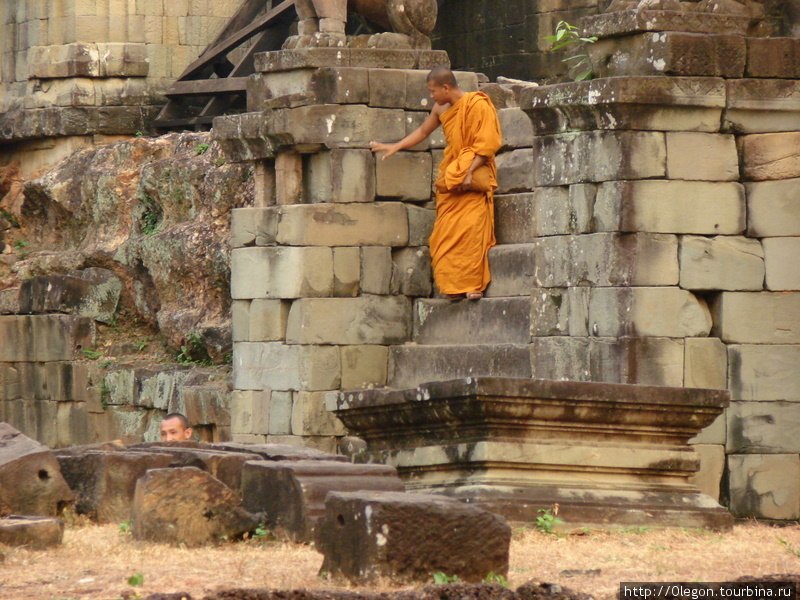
<point x="568" y="36"/>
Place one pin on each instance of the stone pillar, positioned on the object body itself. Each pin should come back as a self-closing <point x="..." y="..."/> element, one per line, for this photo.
<point x="670" y="260"/>
<point x="323" y="270"/>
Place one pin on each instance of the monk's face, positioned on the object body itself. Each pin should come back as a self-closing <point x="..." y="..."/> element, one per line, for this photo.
<point x="173" y="430"/>
<point x="440" y="94"/>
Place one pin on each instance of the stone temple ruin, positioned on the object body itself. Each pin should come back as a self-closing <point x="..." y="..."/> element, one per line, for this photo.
<point x="646" y="222"/>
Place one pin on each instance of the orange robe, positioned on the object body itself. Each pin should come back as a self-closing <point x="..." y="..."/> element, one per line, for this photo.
<point x="464" y="227"/>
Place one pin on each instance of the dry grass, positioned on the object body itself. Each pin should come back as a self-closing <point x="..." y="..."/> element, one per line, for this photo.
<point x="95" y="562"/>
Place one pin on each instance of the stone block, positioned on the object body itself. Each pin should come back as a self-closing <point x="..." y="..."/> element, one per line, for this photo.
<point x="36" y="533"/>
<point x="773" y="208"/>
<point x="281" y="272"/>
<point x="280" y="413"/>
<point x="763" y="427"/>
<point x="521" y="218"/>
<point x="44" y="338"/>
<point x="647" y="312"/>
<point x="374" y="542"/>
<point x="560" y="311"/>
<point x="513" y="267"/>
<point x="364" y="366"/>
<point x="714" y="434"/>
<point x="276" y="366"/>
<point x="404" y="176"/>
<point x="434" y="141"/>
<point x="663" y="206"/>
<point x="420" y="224"/>
<point x="340" y="176"/>
<point x="327" y="85"/>
<point x="514" y="171"/>
<point x="764" y="486"/>
<point x="362" y="320"/>
<point x="387" y="88"/>
<point x="770" y="156"/>
<point x="697" y="156"/>
<point x="606" y="259"/>
<point x="376" y="270"/>
<point x="721" y="263"/>
<point x="780" y="259"/>
<point x="379" y="224"/>
<point x="761" y="105"/>
<point x="267" y="320"/>
<point x="773" y="57"/>
<point x="778" y="317"/>
<point x="292" y="493"/>
<point x="30" y="478"/>
<point x="705" y="363"/>
<point x="309" y="416"/>
<point x="346" y="271"/>
<point x="283" y="60"/>
<point x="516" y="127"/>
<point x="288" y="178"/>
<point x="253" y="227"/>
<point x="172" y="506"/>
<point x="712" y="466"/>
<point x="250" y="411"/>
<point x="764" y="372"/>
<point x="494" y="320"/>
<point x="645" y="361"/>
<point x="410" y="365"/>
<point x="669" y="53"/>
<point x="625" y="22"/>
<point x="411" y="273"/>
<point x="341" y="125"/>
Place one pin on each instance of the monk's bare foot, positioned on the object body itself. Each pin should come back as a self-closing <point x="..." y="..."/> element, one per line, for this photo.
<point x="474" y="295"/>
<point x="454" y="297"/>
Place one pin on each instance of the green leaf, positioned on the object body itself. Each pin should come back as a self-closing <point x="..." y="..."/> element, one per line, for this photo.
<point x="560" y="34"/>
<point x="136" y="579"/>
<point x="585" y="75"/>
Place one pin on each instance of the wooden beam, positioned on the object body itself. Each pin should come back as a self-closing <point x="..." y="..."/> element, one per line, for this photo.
<point x="208" y="87"/>
<point x="231" y="42"/>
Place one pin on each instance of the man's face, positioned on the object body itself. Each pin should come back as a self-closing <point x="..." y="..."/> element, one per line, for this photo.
<point x="173" y="430"/>
<point x="440" y="94"/>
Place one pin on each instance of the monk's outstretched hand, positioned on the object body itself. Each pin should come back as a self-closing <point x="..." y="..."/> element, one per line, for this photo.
<point x="388" y="149"/>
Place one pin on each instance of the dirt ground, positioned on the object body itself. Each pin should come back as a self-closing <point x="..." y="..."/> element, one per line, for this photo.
<point x="97" y="562"/>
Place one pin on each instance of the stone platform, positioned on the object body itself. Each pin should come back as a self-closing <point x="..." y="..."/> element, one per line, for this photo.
<point x="609" y="455"/>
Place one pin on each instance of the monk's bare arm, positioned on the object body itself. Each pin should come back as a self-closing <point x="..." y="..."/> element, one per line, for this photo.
<point x="421" y="133"/>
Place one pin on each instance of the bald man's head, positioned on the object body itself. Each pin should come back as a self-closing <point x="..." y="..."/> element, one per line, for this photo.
<point x="441" y="76"/>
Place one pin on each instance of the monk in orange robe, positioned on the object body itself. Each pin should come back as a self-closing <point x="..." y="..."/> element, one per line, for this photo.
<point x="464" y="227"/>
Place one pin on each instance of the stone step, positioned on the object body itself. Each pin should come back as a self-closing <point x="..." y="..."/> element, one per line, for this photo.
<point x="488" y="321"/>
<point x="512" y="267"/>
<point x="411" y="364"/>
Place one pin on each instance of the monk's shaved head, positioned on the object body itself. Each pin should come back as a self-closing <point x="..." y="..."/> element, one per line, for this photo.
<point x="441" y="76"/>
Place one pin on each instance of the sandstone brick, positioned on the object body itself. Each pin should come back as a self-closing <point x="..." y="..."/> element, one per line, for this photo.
<point x="769" y="156"/>
<point x="411" y="271"/>
<point x="773" y="208"/>
<point x="36" y="533"/>
<point x="342" y="126"/>
<point x="376" y="270"/>
<point x="647" y="312"/>
<point x="765" y="486"/>
<point x="763" y="427"/>
<point x="288" y="178"/>
<point x="309" y="416"/>
<point x="280" y="413"/>
<point x="705" y="363"/>
<point x="362" y="320"/>
<point x="560" y="311"/>
<point x="420" y="224"/>
<point x="701" y="156"/>
<point x="512" y="267"/>
<point x="434" y="141"/>
<point x="380" y="224"/>
<point x="646" y="361"/>
<point x="341" y="176"/>
<point x="721" y="263"/>
<point x="714" y="434"/>
<point x="761" y="105"/>
<point x="712" y="466"/>
<point x="605" y="259"/>
<point x="250" y="411"/>
<point x="281" y="272"/>
<point x="516" y="127"/>
<point x="764" y="372"/>
<point x="326" y="85"/>
<point x="780" y="258"/>
<point x="663" y="206"/>
<point x="273" y="365"/>
<point x="778" y="319"/>
<point x="387" y="88"/>
<point x="596" y="156"/>
<point x="364" y="366"/>
<point x="253" y="226"/>
<point x="346" y="271"/>
<point x="514" y="171"/>
<point x="773" y="57"/>
<point x="404" y="176"/>
<point x="521" y="218"/>
<point x="495" y="320"/>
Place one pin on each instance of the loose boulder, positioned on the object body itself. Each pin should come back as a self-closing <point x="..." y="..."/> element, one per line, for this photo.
<point x="187" y="505"/>
<point x="36" y="533"/>
<point x="366" y="535"/>
<point x="30" y="478"/>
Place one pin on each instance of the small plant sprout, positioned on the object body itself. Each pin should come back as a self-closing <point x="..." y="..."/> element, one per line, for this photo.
<point x="202" y="148"/>
<point x="440" y="578"/>
<point x="125" y="527"/>
<point x="496" y="578"/>
<point x="547" y="519"/>
<point x="568" y="36"/>
<point x="92" y="354"/>
<point x="136" y="579"/>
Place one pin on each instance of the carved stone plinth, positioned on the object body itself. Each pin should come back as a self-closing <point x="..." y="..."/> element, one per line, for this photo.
<point x="609" y="455"/>
<point x="374" y="58"/>
<point x="626" y="22"/>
